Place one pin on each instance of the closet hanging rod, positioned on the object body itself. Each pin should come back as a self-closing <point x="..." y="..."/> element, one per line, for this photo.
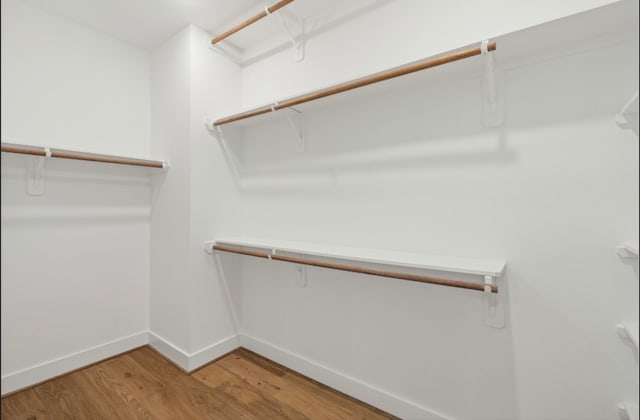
<point x="265" y="12"/>
<point x="357" y="269"/>
<point x="68" y="154"/>
<point x="353" y="84"/>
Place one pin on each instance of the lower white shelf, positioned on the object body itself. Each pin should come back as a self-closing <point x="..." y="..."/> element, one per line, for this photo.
<point x="491" y="270"/>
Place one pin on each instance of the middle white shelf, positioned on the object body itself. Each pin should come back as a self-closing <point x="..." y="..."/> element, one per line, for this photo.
<point x="480" y="267"/>
<point x="312" y="254"/>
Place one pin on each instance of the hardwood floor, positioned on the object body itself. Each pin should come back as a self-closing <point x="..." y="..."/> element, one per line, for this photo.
<point x="143" y="385"/>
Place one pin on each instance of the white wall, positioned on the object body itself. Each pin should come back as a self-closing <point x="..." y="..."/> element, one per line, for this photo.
<point x="411" y="167"/>
<point x="215" y="83"/>
<point x="67" y="86"/>
<point x="190" y="311"/>
<point x="389" y="33"/>
<point x="406" y="166"/>
<point x="75" y="261"/>
<point x="170" y="110"/>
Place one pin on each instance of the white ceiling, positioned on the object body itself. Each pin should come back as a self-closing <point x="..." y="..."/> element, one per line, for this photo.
<point x="148" y="23"/>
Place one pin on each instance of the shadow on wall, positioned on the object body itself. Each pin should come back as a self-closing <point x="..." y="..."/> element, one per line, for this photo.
<point x="425" y="122"/>
<point x="75" y="193"/>
<point x="320" y="22"/>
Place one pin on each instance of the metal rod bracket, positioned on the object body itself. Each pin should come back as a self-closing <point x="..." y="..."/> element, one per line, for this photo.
<point x="493" y="104"/>
<point x="302" y="275"/>
<point x="208" y="246"/>
<point x="36" y="174"/>
<point x="296" y="120"/>
<point x="493" y="304"/>
<point x="294" y="27"/>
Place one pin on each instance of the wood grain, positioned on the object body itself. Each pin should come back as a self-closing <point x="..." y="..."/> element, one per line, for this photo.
<point x="250" y="21"/>
<point x="358" y="83"/>
<point x="68" y="154"/>
<point x="357" y="269"/>
<point x="143" y="385"/>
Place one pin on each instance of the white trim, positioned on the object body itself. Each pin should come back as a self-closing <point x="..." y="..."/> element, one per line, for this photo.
<point x="356" y="388"/>
<point x="212" y="352"/>
<point x="169" y="350"/>
<point x="475" y="266"/>
<point x="44" y="371"/>
<point x="192" y="361"/>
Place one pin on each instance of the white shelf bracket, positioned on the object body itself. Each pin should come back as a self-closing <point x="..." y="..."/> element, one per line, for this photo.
<point x="628" y="411"/>
<point x="628" y="116"/>
<point x="493" y="304"/>
<point x="302" y="275"/>
<point x="294" y="28"/>
<point x="233" y="55"/>
<point x="207" y="245"/>
<point x="493" y="104"/>
<point x="216" y="130"/>
<point x="628" y="249"/>
<point x="296" y="120"/>
<point x="36" y="173"/>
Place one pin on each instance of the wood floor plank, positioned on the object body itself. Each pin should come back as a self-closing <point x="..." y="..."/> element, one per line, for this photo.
<point x="141" y="384"/>
<point x="252" y="396"/>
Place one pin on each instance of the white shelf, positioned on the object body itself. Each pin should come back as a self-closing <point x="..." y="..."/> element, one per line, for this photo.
<point x="628" y="411"/>
<point x="480" y="267"/>
<point x="629" y="330"/>
<point x="598" y="27"/>
<point x="628" y="249"/>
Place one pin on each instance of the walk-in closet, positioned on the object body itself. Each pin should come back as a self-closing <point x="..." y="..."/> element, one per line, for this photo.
<point x="324" y="209"/>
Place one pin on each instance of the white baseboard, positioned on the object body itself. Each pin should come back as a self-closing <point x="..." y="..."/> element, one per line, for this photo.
<point x="56" y="367"/>
<point x="169" y="350"/>
<point x="191" y="361"/>
<point x="213" y="352"/>
<point x="356" y="388"/>
<point x="24" y="378"/>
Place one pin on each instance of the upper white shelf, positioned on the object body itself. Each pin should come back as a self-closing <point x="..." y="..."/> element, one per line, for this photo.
<point x="481" y="267"/>
<point x="628" y="249"/>
<point x="597" y="27"/>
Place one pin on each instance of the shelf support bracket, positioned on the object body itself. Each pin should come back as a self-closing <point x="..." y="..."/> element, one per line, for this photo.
<point x="216" y="130"/>
<point x="302" y="275"/>
<point x="493" y="104"/>
<point x="493" y="304"/>
<point x="36" y="173"/>
<point x="231" y="53"/>
<point x="296" y="120"/>
<point x="294" y="28"/>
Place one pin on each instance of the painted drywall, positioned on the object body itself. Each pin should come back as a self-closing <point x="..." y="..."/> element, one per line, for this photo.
<point x="197" y="200"/>
<point x="170" y="84"/>
<point x="389" y="33"/>
<point x="411" y="167"/>
<point x="67" y="86"/>
<point x="215" y="83"/>
<point x="75" y="261"/>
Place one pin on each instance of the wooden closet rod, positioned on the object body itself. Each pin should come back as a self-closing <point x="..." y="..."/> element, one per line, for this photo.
<point x="356" y="269"/>
<point x="250" y="21"/>
<point x="67" y="154"/>
<point x="353" y="84"/>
